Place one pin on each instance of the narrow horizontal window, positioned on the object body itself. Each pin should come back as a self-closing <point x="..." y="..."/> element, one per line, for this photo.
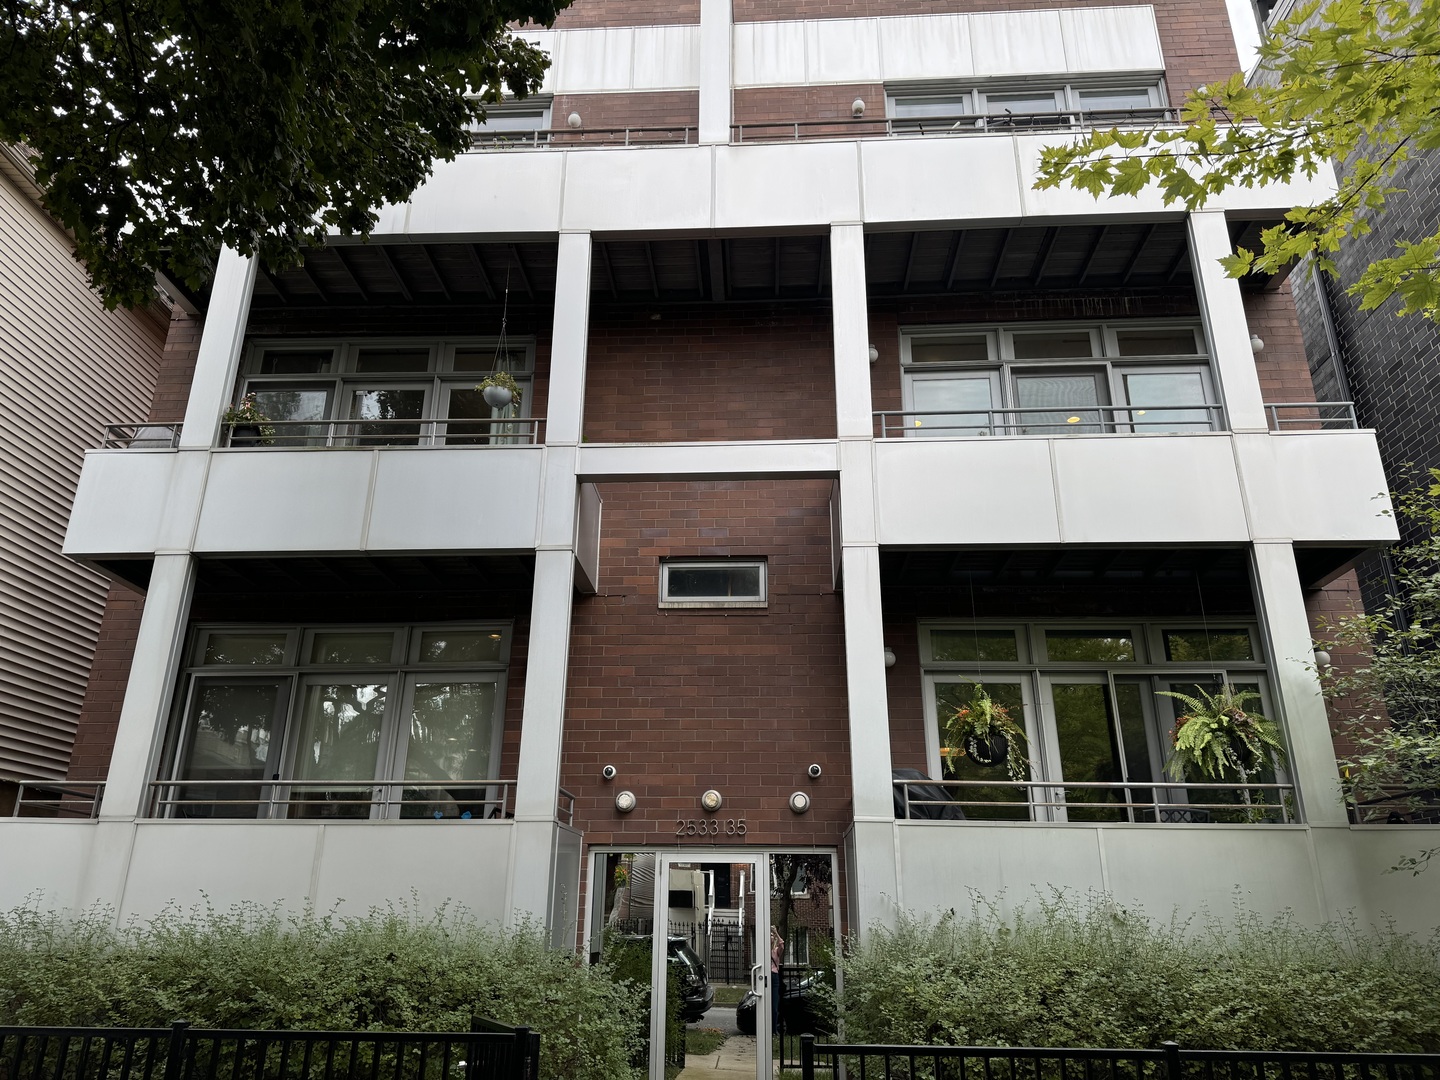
<point x="1108" y="646"/>
<point x="720" y="583"/>
<point x="953" y="645"/>
<point x="1208" y="646"/>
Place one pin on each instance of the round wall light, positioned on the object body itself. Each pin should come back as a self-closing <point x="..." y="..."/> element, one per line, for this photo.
<point x="1256" y="343"/>
<point x="857" y="108"/>
<point x="874" y="354"/>
<point x="889" y="657"/>
<point x="711" y="800"/>
<point x="625" y="801"/>
<point x="1322" y="658"/>
<point x="573" y="120"/>
<point x="799" y="802"/>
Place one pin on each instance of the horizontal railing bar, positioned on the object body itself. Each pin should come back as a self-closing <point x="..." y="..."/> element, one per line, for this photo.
<point x="1050" y="409"/>
<point x="332" y="784"/>
<point x="1092" y="784"/>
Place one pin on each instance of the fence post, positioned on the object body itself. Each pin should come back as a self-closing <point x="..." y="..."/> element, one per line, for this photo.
<point x="523" y="1069"/>
<point x="807" y="1057"/>
<point x="1172" y="1059"/>
<point x="175" y="1057"/>
<point x="472" y="1050"/>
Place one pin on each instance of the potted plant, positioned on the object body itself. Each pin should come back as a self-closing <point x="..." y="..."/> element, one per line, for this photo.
<point x="1218" y="737"/>
<point x="984" y="732"/>
<point x="248" y="425"/>
<point x="499" y="390"/>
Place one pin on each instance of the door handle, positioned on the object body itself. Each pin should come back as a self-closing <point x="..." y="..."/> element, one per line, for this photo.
<point x="754" y="983"/>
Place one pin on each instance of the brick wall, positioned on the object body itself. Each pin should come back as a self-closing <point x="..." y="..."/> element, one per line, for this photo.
<point x="583" y="14"/>
<point x="1194" y="34"/>
<point x="734" y="371"/>
<point x="105" y="690"/>
<point x="762" y="104"/>
<point x="1340" y="599"/>
<point x="177" y="369"/>
<point x="1284" y="371"/>
<point x="680" y="701"/>
<point x="657" y="109"/>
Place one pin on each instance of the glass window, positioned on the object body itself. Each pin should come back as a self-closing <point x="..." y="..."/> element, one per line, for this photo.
<point x="295" y="362"/>
<point x="382" y="412"/>
<point x="1089" y="749"/>
<point x="242" y="648"/>
<point x="732" y="581"/>
<point x="1106" y="646"/>
<point x="298" y="412"/>
<point x="1156" y="399"/>
<point x="961" y="645"/>
<point x="390" y="361"/>
<point x="450" y="742"/>
<point x="1022" y="103"/>
<point x="954" y="405"/>
<point x="1093" y="100"/>
<point x="1157" y="341"/>
<point x="346" y="647"/>
<point x="1208" y="646"/>
<point x="981" y="800"/>
<point x="951" y="351"/>
<point x="957" y="105"/>
<point x="233" y="733"/>
<point x="339" y="741"/>
<point x="461" y="647"/>
<point x="1054" y="403"/>
<point x="490" y="359"/>
<point x="1052" y="344"/>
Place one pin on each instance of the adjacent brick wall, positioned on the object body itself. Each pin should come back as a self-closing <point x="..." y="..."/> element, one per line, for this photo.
<point x="657" y="109"/>
<point x="785" y="104"/>
<point x="105" y="690"/>
<point x="177" y="369"/>
<point x="693" y="373"/>
<point x="1340" y="599"/>
<point x="583" y="14"/>
<point x="680" y="701"/>
<point x="1194" y="34"/>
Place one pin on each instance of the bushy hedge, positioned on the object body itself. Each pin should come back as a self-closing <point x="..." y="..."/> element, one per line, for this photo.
<point x="1092" y="973"/>
<point x="254" y="967"/>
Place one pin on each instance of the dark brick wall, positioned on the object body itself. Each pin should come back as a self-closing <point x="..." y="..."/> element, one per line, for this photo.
<point x="680" y="701"/>
<point x="105" y="690"/>
<point x="655" y="109"/>
<point x="693" y="373"/>
<point x="785" y="104"/>
<point x="1284" y="372"/>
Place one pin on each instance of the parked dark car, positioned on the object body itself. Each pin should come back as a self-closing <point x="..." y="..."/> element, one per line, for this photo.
<point x="695" y="989"/>
<point x="799" y="1013"/>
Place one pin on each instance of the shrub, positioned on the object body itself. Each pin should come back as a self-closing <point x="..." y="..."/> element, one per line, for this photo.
<point x="254" y="967"/>
<point x="1094" y="974"/>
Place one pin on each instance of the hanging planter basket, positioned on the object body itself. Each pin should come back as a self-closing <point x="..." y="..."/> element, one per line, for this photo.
<point x="984" y="732"/>
<point x="988" y="751"/>
<point x="499" y="390"/>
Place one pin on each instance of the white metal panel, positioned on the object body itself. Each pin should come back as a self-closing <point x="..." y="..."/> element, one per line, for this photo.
<point x="1017" y="43"/>
<point x="666" y="58"/>
<point x="457" y="499"/>
<point x="842" y="50"/>
<point x="1139" y="489"/>
<point x="786" y="185"/>
<point x="286" y="500"/>
<point x="505" y="192"/>
<point x="769" y="54"/>
<point x="119" y="502"/>
<point x="965" y="491"/>
<point x="548" y="41"/>
<point x="45" y="863"/>
<point x="186" y="863"/>
<point x="1111" y="39"/>
<point x="925" y="47"/>
<point x="937" y="180"/>
<point x="595" y="60"/>
<point x="1324" y="486"/>
<point x="668" y="188"/>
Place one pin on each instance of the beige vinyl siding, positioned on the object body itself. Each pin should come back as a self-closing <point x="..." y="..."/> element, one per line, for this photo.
<point x="67" y="367"/>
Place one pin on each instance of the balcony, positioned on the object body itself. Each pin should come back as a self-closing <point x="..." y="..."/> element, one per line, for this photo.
<point x="348" y="434"/>
<point x="1079" y="420"/>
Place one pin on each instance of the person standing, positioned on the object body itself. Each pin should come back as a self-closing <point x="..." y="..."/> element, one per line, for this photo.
<point x="777" y="951"/>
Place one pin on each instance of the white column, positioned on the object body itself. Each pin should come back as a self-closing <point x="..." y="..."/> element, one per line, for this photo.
<point x="873" y="872"/>
<point x="543" y="723"/>
<point x="218" y="361"/>
<point x="1224" y="313"/>
<point x="715" y="46"/>
<point x="1297" y="690"/>
<point x="153" y="671"/>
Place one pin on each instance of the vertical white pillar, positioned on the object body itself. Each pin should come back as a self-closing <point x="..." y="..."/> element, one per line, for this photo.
<point x="153" y="671"/>
<point x="1307" y="726"/>
<point x="873" y="863"/>
<point x="715" y="47"/>
<point x="218" y="361"/>
<point x="1225" y="323"/>
<point x="543" y="723"/>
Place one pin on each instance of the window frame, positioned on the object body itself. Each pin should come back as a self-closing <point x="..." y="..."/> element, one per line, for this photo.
<point x="971" y="99"/>
<point x="702" y="562"/>
<point x="1105" y="359"/>
<point x="401" y="671"/>
<point x="438" y="381"/>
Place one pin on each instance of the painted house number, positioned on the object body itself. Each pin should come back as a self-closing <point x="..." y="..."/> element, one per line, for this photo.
<point x="710" y="827"/>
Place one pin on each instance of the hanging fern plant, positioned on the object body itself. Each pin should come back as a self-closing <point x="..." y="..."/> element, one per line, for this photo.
<point x="984" y="732"/>
<point x="1218" y="738"/>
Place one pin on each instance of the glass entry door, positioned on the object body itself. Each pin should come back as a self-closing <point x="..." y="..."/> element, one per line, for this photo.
<point x="692" y="929"/>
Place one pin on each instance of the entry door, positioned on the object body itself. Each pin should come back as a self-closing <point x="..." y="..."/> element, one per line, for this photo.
<point x="711" y="909"/>
<point x="1102" y="735"/>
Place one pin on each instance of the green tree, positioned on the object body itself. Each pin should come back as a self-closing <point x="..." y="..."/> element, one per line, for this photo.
<point x="1394" y="691"/>
<point x="1352" y="81"/>
<point x="162" y="129"/>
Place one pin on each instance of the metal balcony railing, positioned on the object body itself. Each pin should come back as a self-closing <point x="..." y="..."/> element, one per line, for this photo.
<point x="463" y="800"/>
<point x="1312" y="416"/>
<point x="141" y="437"/>
<point x="566" y="137"/>
<point x="1166" y="803"/>
<point x="485" y="431"/>
<point x="58" y="799"/>
<point x="1052" y="420"/>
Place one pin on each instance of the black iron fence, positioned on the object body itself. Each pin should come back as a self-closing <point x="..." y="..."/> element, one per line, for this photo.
<point x="489" y="1051"/>
<point x="1169" y="1062"/>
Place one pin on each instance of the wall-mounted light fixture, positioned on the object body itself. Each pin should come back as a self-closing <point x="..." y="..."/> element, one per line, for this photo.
<point x="625" y="801"/>
<point x="874" y="354"/>
<point x="573" y="120"/>
<point x="857" y="108"/>
<point x="889" y="657"/>
<point x="799" y="802"/>
<point x="1322" y="659"/>
<point x="1256" y="343"/>
<point x="711" y="801"/>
